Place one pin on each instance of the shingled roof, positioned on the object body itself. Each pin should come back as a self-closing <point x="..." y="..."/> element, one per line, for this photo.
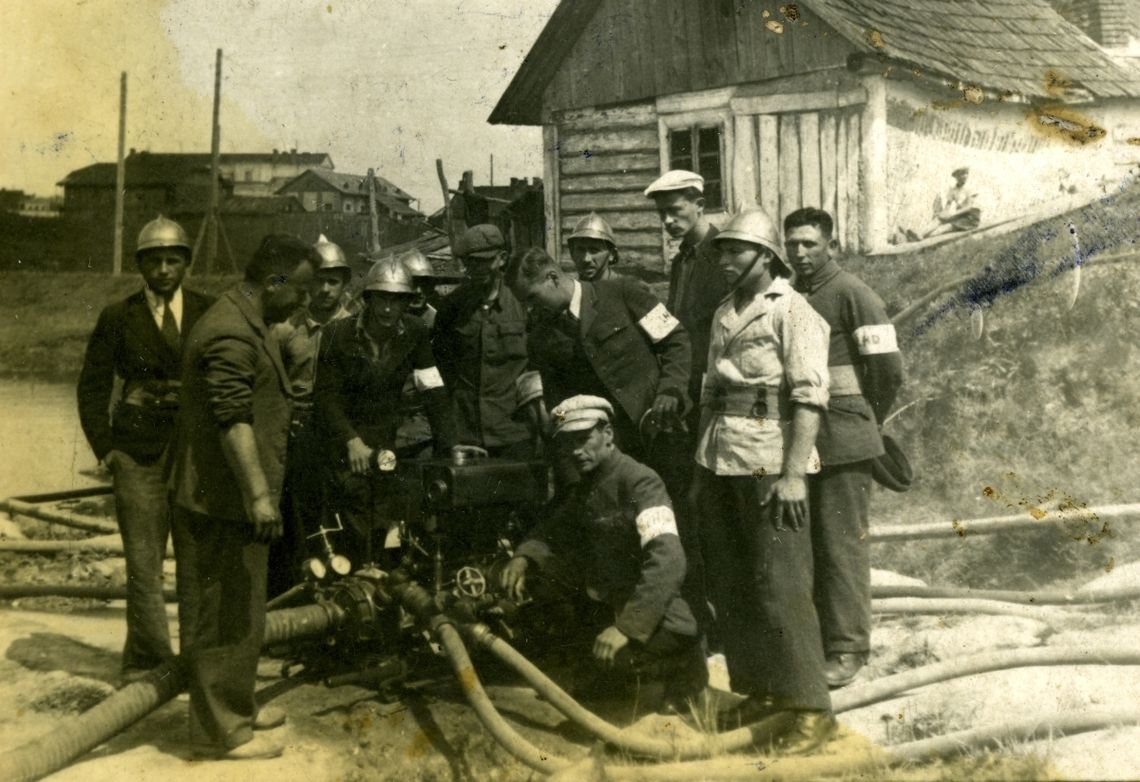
<point x="355" y="184"/>
<point x="1006" y="46"/>
<point x="1018" y="46"/>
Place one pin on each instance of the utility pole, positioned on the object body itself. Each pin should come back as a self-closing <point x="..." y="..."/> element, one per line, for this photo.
<point x="446" y="201"/>
<point x="120" y="178"/>
<point x="373" y="217"/>
<point x="215" y="160"/>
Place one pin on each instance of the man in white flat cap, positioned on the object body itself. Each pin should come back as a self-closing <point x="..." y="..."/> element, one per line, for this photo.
<point x="614" y="538"/>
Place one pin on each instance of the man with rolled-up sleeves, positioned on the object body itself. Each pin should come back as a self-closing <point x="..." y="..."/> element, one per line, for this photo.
<point x="228" y="466"/>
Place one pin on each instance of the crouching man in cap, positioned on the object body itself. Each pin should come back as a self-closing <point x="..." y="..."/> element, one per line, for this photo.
<point x="766" y="387"/>
<point x="615" y="538"/>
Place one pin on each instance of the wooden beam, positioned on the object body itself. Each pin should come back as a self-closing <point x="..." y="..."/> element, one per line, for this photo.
<point x="648" y="163"/>
<point x="873" y="181"/>
<point x="854" y="232"/>
<point x="551" y="188"/>
<point x="790" y="197"/>
<point x="120" y="178"/>
<point x="828" y="163"/>
<point x="215" y="162"/>
<point x="797" y="102"/>
<point x="606" y="183"/>
<point x="810" y="175"/>
<point x="744" y="163"/>
<point x="768" y="137"/>
<point x="446" y="201"/>
<point x="842" y="213"/>
<point x="373" y="215"/>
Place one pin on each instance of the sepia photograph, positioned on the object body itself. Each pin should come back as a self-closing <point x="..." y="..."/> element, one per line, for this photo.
<point x="569" y="389"/>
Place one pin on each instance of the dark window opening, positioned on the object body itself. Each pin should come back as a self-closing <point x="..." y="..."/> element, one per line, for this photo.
<point x="699" y="149"/>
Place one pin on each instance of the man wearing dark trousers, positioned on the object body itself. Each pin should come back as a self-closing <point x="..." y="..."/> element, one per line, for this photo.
<point x="614" y="540"/>
<point x="763" y="395"/>
<point x="228" y="466"/>
<point x="139" y="341"/>
<point x="866" y="373"/>
<point x="479" y="341"/>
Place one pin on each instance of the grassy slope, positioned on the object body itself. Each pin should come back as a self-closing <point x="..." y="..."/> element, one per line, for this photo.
<point x="48" y="317"/>
<point x="1042" y="410"/>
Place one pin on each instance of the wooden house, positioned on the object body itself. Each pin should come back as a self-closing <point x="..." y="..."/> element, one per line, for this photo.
<point x="861" y="107"/>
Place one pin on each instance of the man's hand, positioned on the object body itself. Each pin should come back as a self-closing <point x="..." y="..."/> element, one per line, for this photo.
<point x="608" y="643"/>
<point x="790" y="494"/>
<point x="359" y="456"/>
<point x="513" y="578"/>
<point x="266" y="519"/>
<point x="664" y="406"/>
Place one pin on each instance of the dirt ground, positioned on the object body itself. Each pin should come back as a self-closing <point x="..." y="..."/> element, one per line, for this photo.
<point x="60" y="657"/>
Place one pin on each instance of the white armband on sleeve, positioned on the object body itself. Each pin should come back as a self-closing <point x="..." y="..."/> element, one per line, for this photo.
<point x="658" y="323"/>
<point x="655" y="522"/>
<point x="427" y="379"/>
<point x="877" y="339"/>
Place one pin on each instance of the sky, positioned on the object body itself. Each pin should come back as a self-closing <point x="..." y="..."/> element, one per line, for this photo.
<point x="391" y="84"/>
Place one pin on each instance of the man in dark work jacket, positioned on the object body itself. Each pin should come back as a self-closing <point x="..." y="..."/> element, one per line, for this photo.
<point x="866" y="372"/>
<point x="139" y="341"/>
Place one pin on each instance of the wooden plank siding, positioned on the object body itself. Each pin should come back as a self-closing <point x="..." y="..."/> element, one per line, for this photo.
<point x="634" y="50"/>
<point x="607" y="157"/>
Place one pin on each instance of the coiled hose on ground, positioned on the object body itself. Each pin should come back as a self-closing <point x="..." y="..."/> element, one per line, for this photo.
<point x="75" y="736"/>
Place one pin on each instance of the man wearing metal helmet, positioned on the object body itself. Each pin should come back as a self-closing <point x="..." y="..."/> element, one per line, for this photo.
<point x="364" y="363"/>
<point x="426" y="304"/>
<point x="614" y="539"/>
<point x="593" y="249"/>
<point x="866" y="372"/>
<point x="480" y="341"/>
<point x="300" y="339"/>
<point x="763" y="395"/>
<point x="139" y="341"/>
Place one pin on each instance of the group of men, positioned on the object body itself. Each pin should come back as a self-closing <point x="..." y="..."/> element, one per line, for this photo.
<point x="712" y="455"/>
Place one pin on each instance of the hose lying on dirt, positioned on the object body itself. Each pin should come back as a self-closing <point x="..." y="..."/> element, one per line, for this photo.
<point x="854" y="697"/>
<point x="17" y="591"/>
<point x="1037" y="598"/>
<point x="923" y="605"/>
<point x="75" y="736"/>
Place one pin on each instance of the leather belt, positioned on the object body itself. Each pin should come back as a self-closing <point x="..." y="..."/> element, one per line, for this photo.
<point x="745" y="400"/>
<point x="152" y="394"/>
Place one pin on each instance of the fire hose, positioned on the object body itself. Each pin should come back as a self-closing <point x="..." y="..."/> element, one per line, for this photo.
<point x="77" y="735"/>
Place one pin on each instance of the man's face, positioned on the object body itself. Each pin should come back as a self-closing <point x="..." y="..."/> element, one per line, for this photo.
<point x="163" y="269"/>
<point x="327" y="289"/>
<point x="549" y="292"/>
<point x="588" y="448"/>
<point x="484" y="271"/>
<point x="678" y="213"/>
<point x="285" y="294"/>
<point x="384" y="308"/>
<point x="808" y="249"/>
<point x="961" y="177"/>
<point x="736" y="257"/>
<point x="591" y="257"/>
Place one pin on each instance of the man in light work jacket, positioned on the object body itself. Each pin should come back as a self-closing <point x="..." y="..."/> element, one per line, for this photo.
<point x="139" y="340"/>
<point x="763" y="396"/>
<point x="228" y="466"/>
<point x="866" y="373"/>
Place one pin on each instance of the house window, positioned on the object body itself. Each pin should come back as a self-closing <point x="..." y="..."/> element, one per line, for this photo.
<point x="327" y="207"/>
<point x="249" y="175"/>
<point x="700" y="148"/>
<point x="348" y="206"/>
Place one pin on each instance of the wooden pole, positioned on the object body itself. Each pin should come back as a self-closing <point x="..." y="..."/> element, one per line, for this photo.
<point x="492" y="170"/>
<point x="373" y="216"/>
<point x="215" y="161"/>
<point x="446" y="201"/>
<point x="120" y="177"/>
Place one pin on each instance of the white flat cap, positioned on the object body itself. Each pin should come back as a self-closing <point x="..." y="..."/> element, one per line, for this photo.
<point x="580" y="412"/>
<point x="677" y="179"/>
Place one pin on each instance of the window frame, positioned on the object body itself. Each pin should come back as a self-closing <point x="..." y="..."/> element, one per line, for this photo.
<point x="693" y="121"/>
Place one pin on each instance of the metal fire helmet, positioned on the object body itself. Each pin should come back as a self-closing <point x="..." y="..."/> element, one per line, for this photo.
<point x="592" y="226"/>
<point x="332" y="257"/>
<point x="389" y="275"/>
<point x="417" y="263"/>
<point x="756" y="227"/>
<point x="162" y="232"/>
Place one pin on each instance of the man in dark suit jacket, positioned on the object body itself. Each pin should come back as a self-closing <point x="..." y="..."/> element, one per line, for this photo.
<point x="228" y="466"/>
<point x="139" y="341"/>
<point x="611" y="339"/>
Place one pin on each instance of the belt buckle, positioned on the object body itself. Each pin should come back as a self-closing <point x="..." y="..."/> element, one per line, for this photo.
<point x="759" y="409"/>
